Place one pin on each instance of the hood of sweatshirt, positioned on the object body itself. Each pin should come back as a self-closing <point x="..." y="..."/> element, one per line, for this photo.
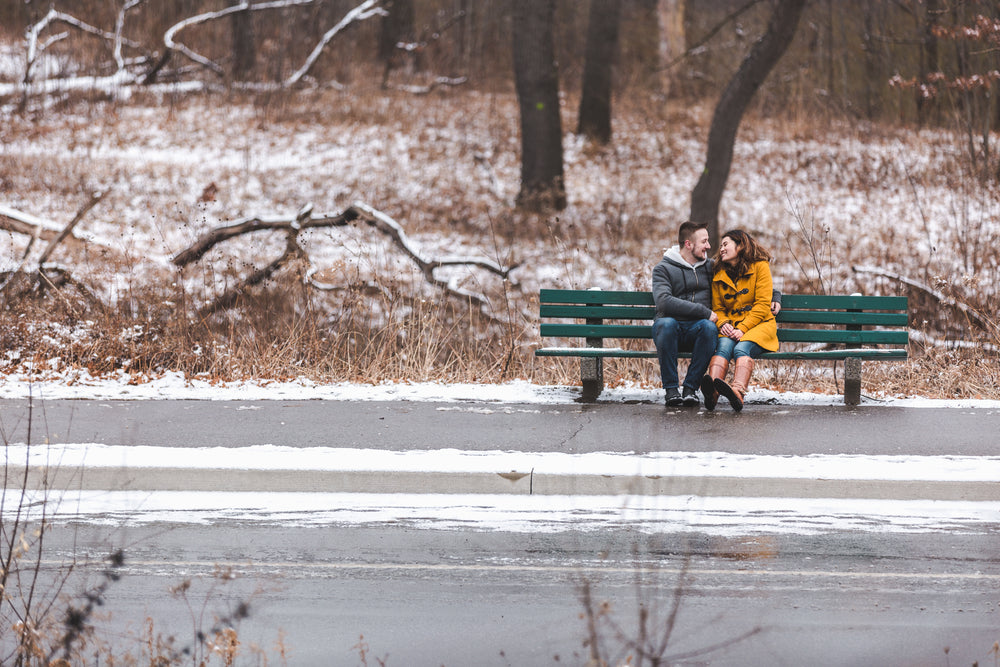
<point x="674" y="255"/>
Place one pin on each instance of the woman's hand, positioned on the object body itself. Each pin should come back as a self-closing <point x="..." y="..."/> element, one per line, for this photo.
<point x="729" y="331"/>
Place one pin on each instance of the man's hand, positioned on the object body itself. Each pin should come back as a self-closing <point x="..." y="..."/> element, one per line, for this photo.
<point x="775" y="307"/>
<point x="713" y="318"/>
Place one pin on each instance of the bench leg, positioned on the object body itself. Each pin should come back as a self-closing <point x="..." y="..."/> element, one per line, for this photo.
<point x="852" y="381"/>
<point x="592" y="375"/>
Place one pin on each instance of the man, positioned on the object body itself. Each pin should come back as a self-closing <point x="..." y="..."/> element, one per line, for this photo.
<point x="682" y="291"/>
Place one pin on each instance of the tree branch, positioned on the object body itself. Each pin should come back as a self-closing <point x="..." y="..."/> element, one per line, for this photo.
<point x="365" y="10"/>
<point x="941" y="297"/>
<point x="709" y="35"/>
<point x="220" y="234"/>
<point x="97" y="197"/>
<point x="304" y="220"/>
<point x="292" y="252"/>
<point x="19" y="222"/>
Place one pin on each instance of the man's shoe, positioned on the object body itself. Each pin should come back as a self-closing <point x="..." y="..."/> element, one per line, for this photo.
<point x="689" y="398"/>
<point x="674" y="397"/>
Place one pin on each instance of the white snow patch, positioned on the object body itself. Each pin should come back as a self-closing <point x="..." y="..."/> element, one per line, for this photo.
<point x="68" y="383"/>
<point x="672" y="463"/>
<point x="536" y="514"/>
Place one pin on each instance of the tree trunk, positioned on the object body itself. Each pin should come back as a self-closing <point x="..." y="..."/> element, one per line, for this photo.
<point x="871" y="50"/>
<point x="729" y="111"/>
<point x="537" y="81"/>
<point x="928" y="57"/>
<point x="463" y="44"/>
<point x="397" y="26"/>
<point x="244" y="45"/>
<point x="673" y="40"/>
<point x="602" y="47"/>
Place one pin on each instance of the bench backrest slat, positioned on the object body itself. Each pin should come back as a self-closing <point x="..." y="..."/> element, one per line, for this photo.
<point x="843" y="336"/>
<point x="601" y="312"/>
<point x="842" y="302"/>
<point x="602" y="297"/>
<point x="844" y="317"/>
<point x="596" y="330"/>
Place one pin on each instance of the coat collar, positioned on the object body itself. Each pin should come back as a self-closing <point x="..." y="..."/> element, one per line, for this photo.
<point x="723" y="277"/>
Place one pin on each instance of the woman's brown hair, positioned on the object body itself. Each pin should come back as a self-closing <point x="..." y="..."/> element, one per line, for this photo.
<point x="748" y="251"/>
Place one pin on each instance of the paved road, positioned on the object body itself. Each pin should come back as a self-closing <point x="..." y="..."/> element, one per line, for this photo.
<point x="426" y="593"/>
<point x="432" y="597"/>
<point x="759" y="429"/>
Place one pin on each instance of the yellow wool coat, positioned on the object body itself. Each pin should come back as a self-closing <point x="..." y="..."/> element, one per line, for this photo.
<point x="747" y="304"/>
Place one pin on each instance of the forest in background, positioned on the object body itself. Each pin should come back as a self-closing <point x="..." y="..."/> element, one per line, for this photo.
<point x="844" y="52"/>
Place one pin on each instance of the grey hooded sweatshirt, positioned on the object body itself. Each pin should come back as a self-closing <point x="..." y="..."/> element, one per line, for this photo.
<point x="680" y="290"/>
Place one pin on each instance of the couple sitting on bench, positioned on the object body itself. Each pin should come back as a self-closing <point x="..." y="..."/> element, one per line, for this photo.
<point x="720" y="309"/>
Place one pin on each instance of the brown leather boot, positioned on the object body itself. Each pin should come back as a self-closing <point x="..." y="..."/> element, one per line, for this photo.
<point x="717" y="368"/>
<point x="742" y="370"/>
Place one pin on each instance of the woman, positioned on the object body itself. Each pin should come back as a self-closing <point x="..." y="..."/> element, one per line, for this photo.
<point x="741" y="297"/>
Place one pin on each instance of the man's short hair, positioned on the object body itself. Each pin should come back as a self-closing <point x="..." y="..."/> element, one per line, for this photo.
<point x="687" y="230"/>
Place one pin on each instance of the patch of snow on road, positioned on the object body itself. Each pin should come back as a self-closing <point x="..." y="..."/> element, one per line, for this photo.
<point x="536" y="514"/>
<point x="539" y="464"/>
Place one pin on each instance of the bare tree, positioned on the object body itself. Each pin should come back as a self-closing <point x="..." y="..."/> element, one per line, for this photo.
<point x="731" y="106"/>
<point x="602" y="49"/>
<point x="396" y="29"/>
<point x="537" y="80"/>
<point x="244" y="45"/>
<point x="672" y="42"/>
<point x="928" y="53"/>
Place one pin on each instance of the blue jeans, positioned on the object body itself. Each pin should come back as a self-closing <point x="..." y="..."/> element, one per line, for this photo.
<point x="694" y="336"/>
<point x="730" y="349"/>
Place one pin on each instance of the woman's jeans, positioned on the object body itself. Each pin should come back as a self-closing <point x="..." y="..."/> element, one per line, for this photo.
<point x="695" y="336"/>
<point x="730" y="349"/>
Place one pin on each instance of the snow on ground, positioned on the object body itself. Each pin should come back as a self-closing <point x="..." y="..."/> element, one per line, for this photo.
<point x="731" y="517"/>
<point x="595" y="464"/>
<point x="76" y="384"/>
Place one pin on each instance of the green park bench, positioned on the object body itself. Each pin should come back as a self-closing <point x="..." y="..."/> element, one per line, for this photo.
<point x="810" y="327"/>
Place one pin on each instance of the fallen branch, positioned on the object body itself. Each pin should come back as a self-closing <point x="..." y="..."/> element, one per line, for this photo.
<point x="53" y="16"/>
<point x="293" y="251"/>
<point x="426" y="90"/>
<point x="304" y="220"/>
<point x="64" y="234"/>
<point x="248" y="225"/>
<point x="941" y="297"/>
<point x="50" y="278"/>
<point x="45" y="277"/>
<point x="19" y="222"/>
